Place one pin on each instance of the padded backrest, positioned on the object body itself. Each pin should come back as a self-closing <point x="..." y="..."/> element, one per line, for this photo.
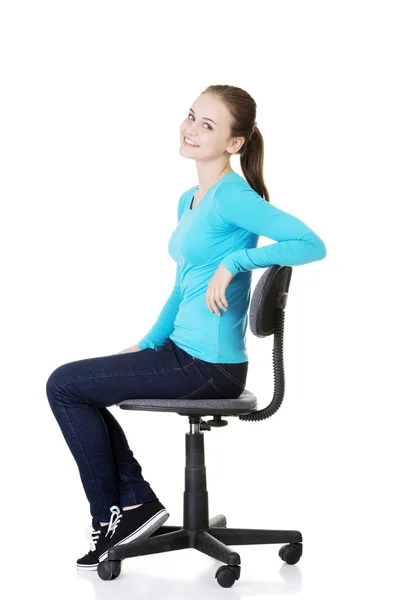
<point x="270" y="293"/>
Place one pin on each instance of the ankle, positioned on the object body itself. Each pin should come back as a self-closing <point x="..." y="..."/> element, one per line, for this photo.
<point x="124" y="508"/>
<point x="133" y="506"/>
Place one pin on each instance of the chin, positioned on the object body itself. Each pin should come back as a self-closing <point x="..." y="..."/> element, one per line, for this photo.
<point x="182" y="150"/>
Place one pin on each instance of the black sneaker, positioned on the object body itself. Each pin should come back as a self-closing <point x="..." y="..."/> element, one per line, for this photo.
<point x="130" y="525"/>
<point x="140" y="522"/>
<point x="100" y="537"/>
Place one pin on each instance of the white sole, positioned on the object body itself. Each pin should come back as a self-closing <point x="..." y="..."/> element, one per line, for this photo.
<point x="144" y="531"/>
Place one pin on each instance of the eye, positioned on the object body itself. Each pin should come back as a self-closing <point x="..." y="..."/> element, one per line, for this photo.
<point x="208" y="125"/>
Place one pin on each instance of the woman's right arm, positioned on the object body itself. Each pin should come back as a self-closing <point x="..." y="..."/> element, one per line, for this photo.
<point x="164" y="324"/>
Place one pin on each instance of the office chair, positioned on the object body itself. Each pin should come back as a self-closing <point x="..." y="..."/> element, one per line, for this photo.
<point x="210" y="536"/>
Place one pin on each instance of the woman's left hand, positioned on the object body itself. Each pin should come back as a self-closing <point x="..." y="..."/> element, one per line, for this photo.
<point x="216" y="289"/>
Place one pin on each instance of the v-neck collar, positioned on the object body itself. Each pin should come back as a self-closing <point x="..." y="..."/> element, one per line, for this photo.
<point x="209" y="189"/>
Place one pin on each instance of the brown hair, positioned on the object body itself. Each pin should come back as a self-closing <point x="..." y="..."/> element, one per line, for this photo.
<point x="243" y="108"/>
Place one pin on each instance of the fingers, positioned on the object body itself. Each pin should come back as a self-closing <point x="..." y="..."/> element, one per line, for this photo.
<point x="219" y="297"/>
<point x="215" y="308"/>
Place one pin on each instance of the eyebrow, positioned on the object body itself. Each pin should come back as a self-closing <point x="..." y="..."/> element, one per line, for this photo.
<point x="205" y="118"/>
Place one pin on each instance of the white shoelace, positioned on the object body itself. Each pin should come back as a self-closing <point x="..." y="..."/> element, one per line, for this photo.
<point x="94" y="534"/>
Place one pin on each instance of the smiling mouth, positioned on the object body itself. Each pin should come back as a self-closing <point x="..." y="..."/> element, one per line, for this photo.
<point x="188" y="143"/>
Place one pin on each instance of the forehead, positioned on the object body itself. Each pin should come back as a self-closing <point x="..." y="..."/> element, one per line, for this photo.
<point x="210" y="106"/>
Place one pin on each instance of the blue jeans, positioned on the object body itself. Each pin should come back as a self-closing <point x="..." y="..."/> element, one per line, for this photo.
<point x="79" y="392"/>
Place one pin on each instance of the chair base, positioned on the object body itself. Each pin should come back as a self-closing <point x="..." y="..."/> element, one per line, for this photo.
<point x="209" y="536"/>
<point x="211" y="541"/>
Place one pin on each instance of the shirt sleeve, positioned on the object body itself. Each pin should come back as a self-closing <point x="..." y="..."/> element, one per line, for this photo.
<point x="164" y="326"/>
<point x="296" y="243"/>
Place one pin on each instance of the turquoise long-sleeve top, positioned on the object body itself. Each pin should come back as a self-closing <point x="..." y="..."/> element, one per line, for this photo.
<point x="224" y="228"/>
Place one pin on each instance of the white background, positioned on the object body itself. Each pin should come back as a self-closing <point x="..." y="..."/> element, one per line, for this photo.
<point x="93" y="94"/>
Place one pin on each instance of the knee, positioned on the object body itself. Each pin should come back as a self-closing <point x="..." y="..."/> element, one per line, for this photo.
<point x="57" y="379"/>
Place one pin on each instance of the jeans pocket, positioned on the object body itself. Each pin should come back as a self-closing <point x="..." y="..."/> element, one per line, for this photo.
<point x="239" y="369"/>
<point x="207" y="391"/>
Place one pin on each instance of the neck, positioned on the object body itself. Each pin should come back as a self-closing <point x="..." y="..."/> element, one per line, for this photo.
<point x="209" y="174"/>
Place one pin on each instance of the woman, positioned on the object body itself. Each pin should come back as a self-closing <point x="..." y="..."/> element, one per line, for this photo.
<point x="196" y="348"/>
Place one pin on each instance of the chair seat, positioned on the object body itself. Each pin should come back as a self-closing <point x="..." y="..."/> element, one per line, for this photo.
<point x="246" y="403"/>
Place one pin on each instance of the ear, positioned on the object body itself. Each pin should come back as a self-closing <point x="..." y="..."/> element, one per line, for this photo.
<point x="235" y="145"/>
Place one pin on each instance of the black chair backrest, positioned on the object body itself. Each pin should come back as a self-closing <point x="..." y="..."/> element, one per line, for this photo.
<point x="270" y="293"/>
<point x="266" y="317"/>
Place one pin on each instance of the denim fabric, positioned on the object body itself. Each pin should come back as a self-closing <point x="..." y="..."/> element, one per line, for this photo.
<point x="79" y="392"/>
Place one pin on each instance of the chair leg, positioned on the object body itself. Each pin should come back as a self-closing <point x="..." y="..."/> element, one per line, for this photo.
<point x="217" y="521"/>
<point x="165" y="529"/>
<point x="254" y="536"/>
<point x="176" y="540"/>
<point x="206" y="543"/>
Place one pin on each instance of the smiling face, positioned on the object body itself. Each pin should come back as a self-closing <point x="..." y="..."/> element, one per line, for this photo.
<point x="208" y="126"/>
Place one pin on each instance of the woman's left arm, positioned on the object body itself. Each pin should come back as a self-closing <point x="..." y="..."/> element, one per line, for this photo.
<point x="296" y="243"/>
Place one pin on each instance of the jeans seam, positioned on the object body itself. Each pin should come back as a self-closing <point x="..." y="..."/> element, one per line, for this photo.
<point x="60" y="388"/>
<point x="218" y="390"/>
<point x="194" y="391"/>
<point x="229" y="375"/>
<point x="124" y="476"/>
<point x="83" y="451"/>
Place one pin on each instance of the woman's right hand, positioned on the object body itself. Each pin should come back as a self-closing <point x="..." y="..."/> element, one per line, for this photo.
<point x="132" y="349"/>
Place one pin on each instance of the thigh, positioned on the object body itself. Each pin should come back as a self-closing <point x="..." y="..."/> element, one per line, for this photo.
<point x="107" y="380"/>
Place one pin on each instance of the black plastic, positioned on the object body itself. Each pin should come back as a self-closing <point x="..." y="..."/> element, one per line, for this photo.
<point x="210" y="536"/>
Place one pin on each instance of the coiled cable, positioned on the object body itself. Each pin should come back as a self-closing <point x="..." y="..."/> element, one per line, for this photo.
<point x="279" y="376"/>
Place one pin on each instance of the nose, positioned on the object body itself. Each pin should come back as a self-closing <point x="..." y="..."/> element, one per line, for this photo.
<point x="190" y="132"/>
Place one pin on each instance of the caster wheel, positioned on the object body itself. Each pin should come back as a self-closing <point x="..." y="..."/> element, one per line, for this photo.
<point x="291" y="553"/>
<point x="109" y="569"/>
<point x="227" y="575"/>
